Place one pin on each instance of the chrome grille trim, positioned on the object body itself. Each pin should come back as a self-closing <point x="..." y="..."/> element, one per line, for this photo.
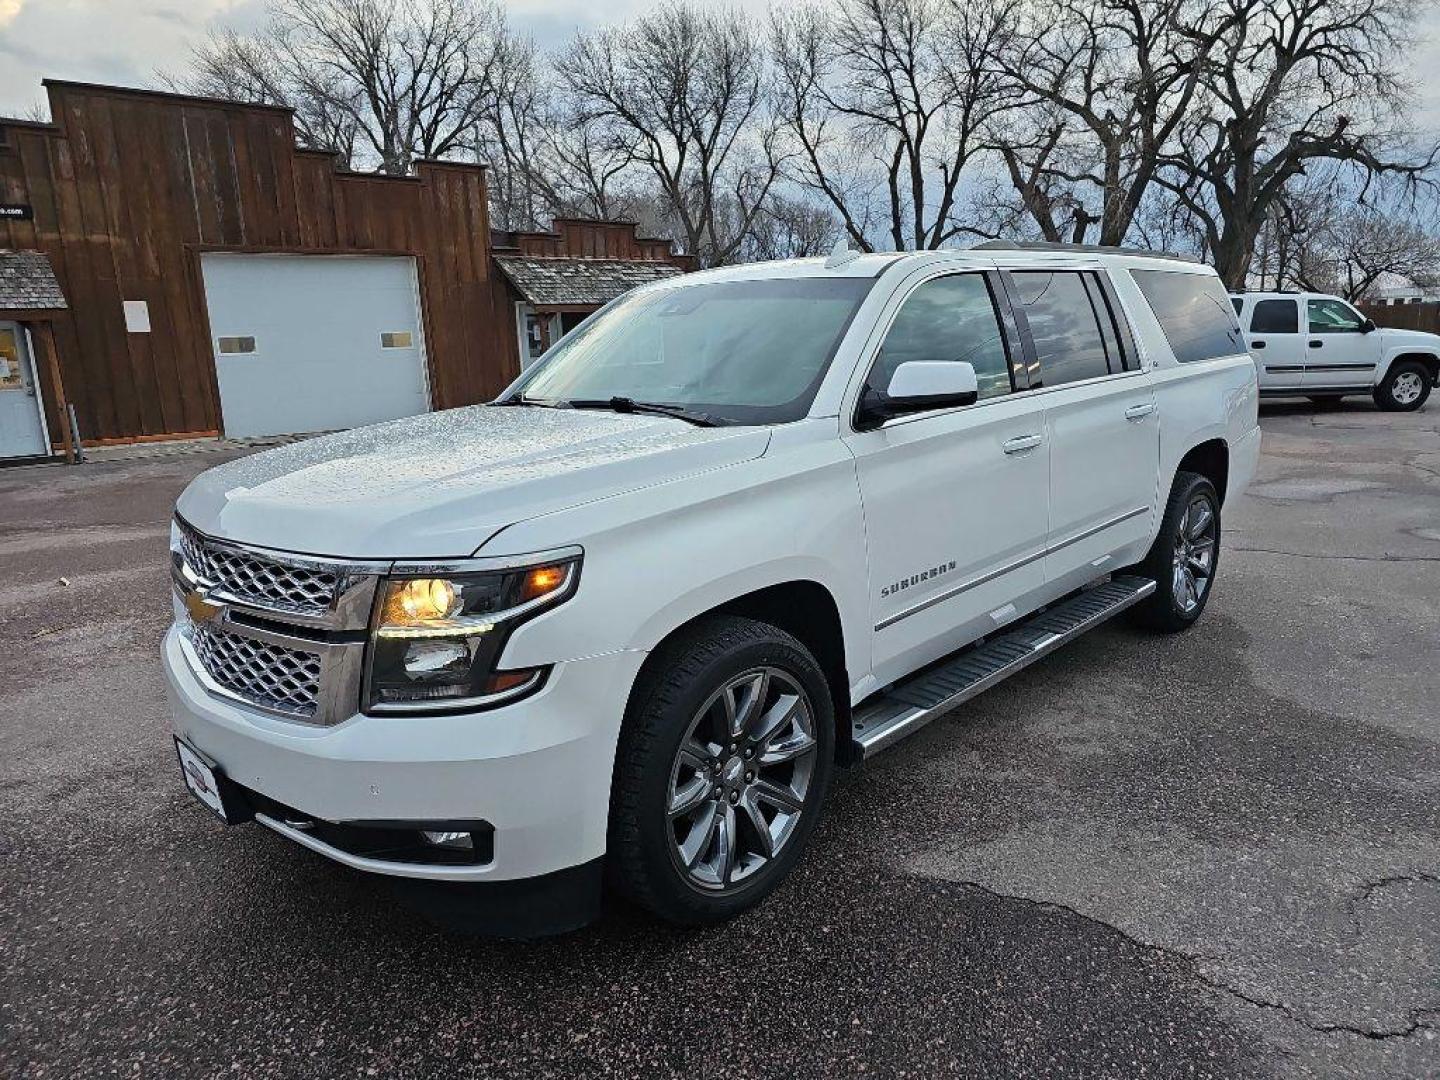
<point x="274" y="677"/>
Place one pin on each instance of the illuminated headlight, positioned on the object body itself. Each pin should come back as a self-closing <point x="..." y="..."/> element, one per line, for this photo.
<point x="436" y="640"/>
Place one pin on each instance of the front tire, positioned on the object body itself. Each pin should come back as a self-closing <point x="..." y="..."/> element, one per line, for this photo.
<point x="722" y="770"/>
<point x="1405" y="387"/>
<point x="1185" y="556"/>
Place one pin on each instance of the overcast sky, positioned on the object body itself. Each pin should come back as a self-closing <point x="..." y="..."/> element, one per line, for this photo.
<point x="124" y="42"/>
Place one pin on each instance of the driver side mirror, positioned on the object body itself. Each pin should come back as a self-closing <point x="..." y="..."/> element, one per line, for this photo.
<point x="919" y="386"/>
<point x="1368" y="326"/>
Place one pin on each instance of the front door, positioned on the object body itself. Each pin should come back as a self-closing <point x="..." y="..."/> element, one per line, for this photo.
<point x="1276" y="344"/>
<point x="22" y="421"/>
<point x="1339" y="353"/>
<point x="954" y="500"/>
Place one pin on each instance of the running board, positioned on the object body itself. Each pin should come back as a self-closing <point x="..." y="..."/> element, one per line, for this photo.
<point x="908" y="706"/>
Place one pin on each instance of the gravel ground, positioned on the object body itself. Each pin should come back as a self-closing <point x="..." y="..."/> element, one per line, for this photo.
<point x="1216" y="854"/>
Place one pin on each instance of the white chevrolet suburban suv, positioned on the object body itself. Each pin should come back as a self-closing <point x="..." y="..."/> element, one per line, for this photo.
<point x="621" y="624"/>
<point x="1318" y="346"/>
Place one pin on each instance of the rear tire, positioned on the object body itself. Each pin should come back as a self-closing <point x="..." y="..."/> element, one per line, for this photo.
<point x="705" y="822"/>
<point x="1405" y="387"/>
<point x="1185" y="556"/>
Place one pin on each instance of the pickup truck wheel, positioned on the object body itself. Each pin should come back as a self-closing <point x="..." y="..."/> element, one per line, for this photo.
<point x="1185" y="555"/>
<point x="722" y="768"/>
<point x="1405" y="387"/>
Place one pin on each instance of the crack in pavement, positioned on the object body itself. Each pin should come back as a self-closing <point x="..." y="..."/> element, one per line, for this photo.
<point x="1417" y="1017"/>
<point x="1349" y="558"/>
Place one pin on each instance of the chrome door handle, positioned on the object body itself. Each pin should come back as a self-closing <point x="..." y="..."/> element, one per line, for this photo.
<point x="1020" y="443"/>
<point x="1139" y="412"/>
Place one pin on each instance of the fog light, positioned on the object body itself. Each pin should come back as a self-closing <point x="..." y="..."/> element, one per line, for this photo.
<point x="460" y="841"/>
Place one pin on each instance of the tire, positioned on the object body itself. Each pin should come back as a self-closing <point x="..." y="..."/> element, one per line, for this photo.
<point x="680" y="700"/>
<point x="1405" y="387"/>
<point x="1165" y="610"/>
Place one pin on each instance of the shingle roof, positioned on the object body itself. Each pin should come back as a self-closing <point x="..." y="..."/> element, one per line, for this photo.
<point x="554" y="281"/>
<point x="27" y="283"/>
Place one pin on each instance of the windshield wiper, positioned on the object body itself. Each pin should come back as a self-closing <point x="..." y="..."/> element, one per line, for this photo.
<point x="630" y="405"/>
<point x="534" y="403"/>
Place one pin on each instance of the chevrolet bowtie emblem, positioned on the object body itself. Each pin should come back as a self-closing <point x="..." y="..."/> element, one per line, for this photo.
<point x="201" y="609"/>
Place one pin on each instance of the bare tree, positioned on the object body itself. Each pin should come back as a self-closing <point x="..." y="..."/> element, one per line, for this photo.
<point x="383" y="81"/>
<point x="790" y="228"/>
<point x="1293" y="84"/>
<point x="683" y="92"/>
<point x="908" y="87"/>
<point x="1111" y="82"/>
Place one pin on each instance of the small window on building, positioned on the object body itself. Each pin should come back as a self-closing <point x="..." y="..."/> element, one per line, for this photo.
<point x="237" y="344"/>
<point x="395" y="339"/>
<point x="1275" y="317"/>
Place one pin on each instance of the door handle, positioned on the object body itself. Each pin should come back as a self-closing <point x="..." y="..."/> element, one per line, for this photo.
<point x="1139" y="412"/>
<point x="1020" y="443"/>
<point x="1257" y="344"/>
<point x="1315" y="344"/>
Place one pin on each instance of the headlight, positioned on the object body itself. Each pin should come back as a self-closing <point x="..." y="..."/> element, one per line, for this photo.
<point x="436" y="638"/>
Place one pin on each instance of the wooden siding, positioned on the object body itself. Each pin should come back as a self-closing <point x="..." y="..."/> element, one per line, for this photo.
<point x="129" y="187"/>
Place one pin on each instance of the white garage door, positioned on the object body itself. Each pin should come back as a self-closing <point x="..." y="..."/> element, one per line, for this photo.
<point x="314" y="342"/>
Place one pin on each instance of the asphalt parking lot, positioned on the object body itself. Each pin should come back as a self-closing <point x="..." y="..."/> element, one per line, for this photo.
<point x="1214" y="855"/>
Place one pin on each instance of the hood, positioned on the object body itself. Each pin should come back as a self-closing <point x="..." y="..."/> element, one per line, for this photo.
<point x="441" y="484"/>
<point x="1393" y="337"/>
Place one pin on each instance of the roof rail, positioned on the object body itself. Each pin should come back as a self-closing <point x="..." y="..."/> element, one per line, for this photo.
<point x="1090" y="249"/>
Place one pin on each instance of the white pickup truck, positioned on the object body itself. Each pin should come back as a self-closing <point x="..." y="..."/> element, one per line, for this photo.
<point x="1318" y="346"/>
<point x="621" y="624"/>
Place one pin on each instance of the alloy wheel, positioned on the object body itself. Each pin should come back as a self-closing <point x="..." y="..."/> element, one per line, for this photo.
<point x="740" y="777"/>
<point x="1194" y="562"/>
<point x="1406" y="388"/>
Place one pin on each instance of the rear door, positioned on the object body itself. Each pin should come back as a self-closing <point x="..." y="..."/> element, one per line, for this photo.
<point x="1274" y="340"/>
<point x="1338" y="353"/>
<point x="1100" y="419"/>
<point x="954" y="500"/>
<point x="22" y="422"/>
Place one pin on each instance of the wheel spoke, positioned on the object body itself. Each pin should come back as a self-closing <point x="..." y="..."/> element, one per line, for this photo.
<point x="776" y="718"/>
<point x="1192" y="594"/>
<point x="726" y="843"/>
<point x="695" y="754"/>
<point x="1177" y="584"/>
<point x="690" y="796"/>
<point x="758" y="823"/>
<point x="1199" y="520"/>
<point x="780" y="795"/>
<point x="698" y="839"/>
<point x="798" y="743"/>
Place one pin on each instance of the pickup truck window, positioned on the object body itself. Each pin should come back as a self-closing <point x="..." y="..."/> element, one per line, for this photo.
<point x="1069" y="344"/>
<point x="948" y="318"/>
<point x="749" y="352"/>
<point x="1334" y="317"/>
<point x="1275" y="317"/>
<point x="1194" y="311"/>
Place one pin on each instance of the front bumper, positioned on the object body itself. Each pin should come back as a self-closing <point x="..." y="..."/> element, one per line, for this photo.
<point x="538" y="771"/>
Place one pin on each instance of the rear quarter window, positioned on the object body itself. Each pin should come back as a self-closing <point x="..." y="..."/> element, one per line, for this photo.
<point x="1195" y="312"/>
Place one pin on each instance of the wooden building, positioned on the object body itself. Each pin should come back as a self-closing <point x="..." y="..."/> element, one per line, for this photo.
<point x="221" y="281"/>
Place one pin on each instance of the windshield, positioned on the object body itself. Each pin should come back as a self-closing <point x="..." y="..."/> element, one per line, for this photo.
<point x="743" y="352"/>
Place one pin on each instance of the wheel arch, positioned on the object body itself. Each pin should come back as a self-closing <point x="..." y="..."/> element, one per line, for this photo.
<point x="806" y="610"/>
<point x="1211" y="459"/>
<point x="1430" y="361"/>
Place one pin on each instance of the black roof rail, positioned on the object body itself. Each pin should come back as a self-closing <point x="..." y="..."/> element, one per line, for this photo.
<point x="1089" y="249"/>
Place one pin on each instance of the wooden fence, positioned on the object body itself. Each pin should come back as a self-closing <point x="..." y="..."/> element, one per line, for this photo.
<point x="1406" y="316"/>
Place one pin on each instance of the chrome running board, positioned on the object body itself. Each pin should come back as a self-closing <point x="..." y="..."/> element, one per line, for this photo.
<point x="909" y="705"/>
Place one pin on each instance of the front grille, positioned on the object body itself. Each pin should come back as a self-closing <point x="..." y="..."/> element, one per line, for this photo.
<point x="256" y="579"/>
<point x="271" y="676"/>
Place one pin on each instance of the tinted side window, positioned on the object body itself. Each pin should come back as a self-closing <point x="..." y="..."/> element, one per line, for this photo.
<point x="1334" y="317"/>
<point x="1068" y="343"/>
<point x="1275" y="317"/>
<point x="1194" y="311"/>
<point x="948" y="318"/>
